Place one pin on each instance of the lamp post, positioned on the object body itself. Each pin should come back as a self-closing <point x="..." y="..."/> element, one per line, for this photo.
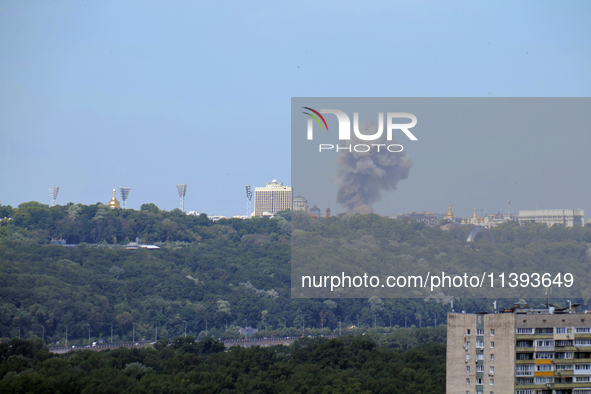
<point x="374" y="322"/>
<point x="284" y="324"/>
<point x="206" y="328"/>
<point x="66" y="335"/>
<point x="435" y="320"/>
<point x="155" y="331"/>
<point x="390" y="321"/>
<point x="405" y="319"/>
<point x="357" y="321"/>
<point x="88" y="333"/>
<point x="226" y="324"/>
<point x="185" y="328"/>
<point x="339" y="325"/>
<point x="111" y="324"/>
<point x="19" y="332"/>
<point x="43" y="332"/>
<point x="133" y="335"/>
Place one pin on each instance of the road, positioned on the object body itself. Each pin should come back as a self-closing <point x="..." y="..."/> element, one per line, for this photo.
<point x="264" y="342"/>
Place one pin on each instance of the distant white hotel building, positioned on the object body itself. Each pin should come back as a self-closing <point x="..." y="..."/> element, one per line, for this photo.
<point x="565" y="217"/>
<point x="272" y="198"/>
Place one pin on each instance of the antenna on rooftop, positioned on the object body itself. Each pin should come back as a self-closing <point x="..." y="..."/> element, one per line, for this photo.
<point x="509" y="203"/>
<point x="248" y="189"/>
<point x="182" y="189"/>
<point x="53" y="194"/>
<point x="124" y="194"/>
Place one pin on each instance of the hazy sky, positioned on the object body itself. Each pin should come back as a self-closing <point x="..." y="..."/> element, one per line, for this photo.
<point x="150" y="94"/>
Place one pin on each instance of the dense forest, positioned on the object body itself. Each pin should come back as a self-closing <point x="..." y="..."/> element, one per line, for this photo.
<point x="343" y="365"/>
<point x="214" y="277"/>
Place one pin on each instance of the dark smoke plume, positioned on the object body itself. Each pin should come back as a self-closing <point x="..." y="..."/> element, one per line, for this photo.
<point x="363" y="176"/>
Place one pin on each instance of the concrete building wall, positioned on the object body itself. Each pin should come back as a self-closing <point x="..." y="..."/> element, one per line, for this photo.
<point x="566" y="217"/>
<point x="472" y="349"/>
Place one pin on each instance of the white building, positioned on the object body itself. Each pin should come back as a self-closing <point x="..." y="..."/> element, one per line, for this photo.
<point x="300" y="204"/>
<point x="272" y="198"/>
<point x="565" y="217"/>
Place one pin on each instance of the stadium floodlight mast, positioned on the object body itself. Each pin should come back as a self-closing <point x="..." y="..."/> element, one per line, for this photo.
<point x="124" y="194"/>
<point x="53" y="194"/>
<point x="182" y="189"/>
<point x="248" y="199"/>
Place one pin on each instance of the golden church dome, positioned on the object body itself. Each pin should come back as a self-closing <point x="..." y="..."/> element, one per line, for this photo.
<point x="114" y="203"/>
<point x="449" y="214"/>
<point x="463" y="221"/>
<point x="474" y="215"/>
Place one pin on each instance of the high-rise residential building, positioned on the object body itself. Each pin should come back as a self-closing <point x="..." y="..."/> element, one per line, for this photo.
<point x="564" y="217"/>
<point x="521" y="351"/>
<point x="272" y="198"/>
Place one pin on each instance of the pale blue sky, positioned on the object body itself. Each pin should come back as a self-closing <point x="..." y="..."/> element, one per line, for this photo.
<point x="150" y="94"/>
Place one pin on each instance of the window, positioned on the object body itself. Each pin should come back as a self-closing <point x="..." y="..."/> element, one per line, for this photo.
<point x="480" y="332"/>
<point x="544" y="343"/>
<point x="492" y="332"/>
<point x="467" y="357"/>
<point x="467" y="380"/>
<point x="492" y="370"/>
<point x="524" y="370"/>
<point x="468" y="344"/>
<point x="544" y="367"/>
<point x="582" y="367"/>
<point x="583" y="330"/>
<point x="492" y="357"/>
<point x="480" y="356"/>
<point x="544" y="379"/>
<point x="563" y="342"/>
<point x="479" y="344"/>
<point x="581" y="379"/>
<point x="468" y="332"/>
<point x="544" y="355"/>
<point x="492" y="382"/>
<point x="467" y="368"/>
<point x="525" y="330"/>
<point x="563" y="330"/>
<point x="492" y="345"/>
<point x="479" y="368"/>
<point x="530" y="391"/>
<point x="582" y="342"/>
<point x="564" y="367"/>
<point x="478" y="380"/>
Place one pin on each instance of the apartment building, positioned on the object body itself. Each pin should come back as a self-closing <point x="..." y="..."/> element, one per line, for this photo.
<point x="520" y="350"/>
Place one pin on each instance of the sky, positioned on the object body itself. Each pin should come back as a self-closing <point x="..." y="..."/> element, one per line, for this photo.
<point x="150" y="94"/>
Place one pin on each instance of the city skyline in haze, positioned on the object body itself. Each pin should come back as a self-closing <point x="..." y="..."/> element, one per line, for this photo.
<point x="147" y="95"/>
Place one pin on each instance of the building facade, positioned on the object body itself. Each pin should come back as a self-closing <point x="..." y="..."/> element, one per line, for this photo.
<point x="564" y="217"/>
<point x="272" y="198"/>
<point x="521" y="351"/>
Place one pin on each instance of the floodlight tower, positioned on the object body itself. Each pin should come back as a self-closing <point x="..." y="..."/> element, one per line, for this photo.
<point x="248" y="198"/>
<point x="182" y="189"/>
<point x="124" y="193"/>
<point x="53" y="194"/>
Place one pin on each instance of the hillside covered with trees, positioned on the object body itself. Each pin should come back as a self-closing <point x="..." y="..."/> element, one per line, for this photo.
<point x="214" y="277"/>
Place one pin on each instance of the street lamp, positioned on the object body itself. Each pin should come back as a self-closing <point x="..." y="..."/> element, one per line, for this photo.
<point x="88" y="333"/>
<point x="185" y="328"/>
<point x="206" y="328"/>
<point x="405" y="319"/>
<point x="357" y="321"/>
<point x="156" y="331"/>
<point x="111" y="332"/>
<point x="133" y="335"/>
<point x="435" y="319"/>
<point x="66" y="335"/>
<point x="284" y="324"/>
<point x="374" y="322"/>
<point x="226" y="324"/>
<point x="390" y="321"/>
<point x="303" y="327"/>
<point x="43" y="332"/>
<point x="339" y="325"/>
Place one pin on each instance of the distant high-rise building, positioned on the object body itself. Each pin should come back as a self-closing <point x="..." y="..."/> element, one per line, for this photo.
<point x="565" y="217"/>
<point x="522" y="350"/>
<point x="272" y="198"/>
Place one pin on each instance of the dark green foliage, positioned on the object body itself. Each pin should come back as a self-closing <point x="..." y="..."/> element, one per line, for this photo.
<point x="344" y="365"/>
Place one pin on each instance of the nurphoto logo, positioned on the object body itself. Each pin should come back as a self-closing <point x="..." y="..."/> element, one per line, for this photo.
<point x="345" y="130"/>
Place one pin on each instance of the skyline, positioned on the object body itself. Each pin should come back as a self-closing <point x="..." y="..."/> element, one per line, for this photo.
<point x="146" y="96"/>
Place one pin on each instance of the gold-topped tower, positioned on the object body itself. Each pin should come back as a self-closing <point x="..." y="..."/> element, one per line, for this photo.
<point x="114" y="203"/>
<point x="449" y="215"/>
<point x="474" y="216"/>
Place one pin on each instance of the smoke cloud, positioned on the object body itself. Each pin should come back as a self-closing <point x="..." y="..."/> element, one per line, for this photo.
<point x="362" y="177"/>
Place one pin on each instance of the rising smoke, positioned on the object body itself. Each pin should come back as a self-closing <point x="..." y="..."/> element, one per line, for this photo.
<point x="362" y="177"/>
